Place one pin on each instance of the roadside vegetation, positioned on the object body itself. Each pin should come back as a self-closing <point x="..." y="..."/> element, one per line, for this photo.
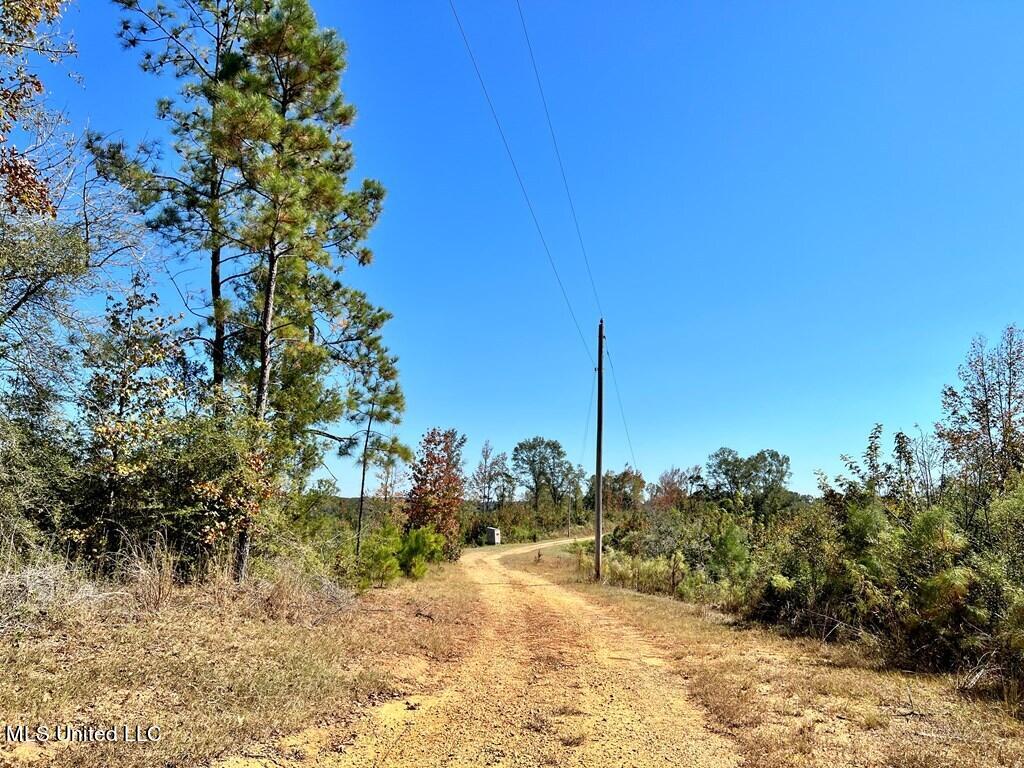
<point x="795" y="700"/>
<point x="180" y="351"/>
<point x="216" y="665"/>
<point x="917" y="554"/>
<point x="129" y="433"/>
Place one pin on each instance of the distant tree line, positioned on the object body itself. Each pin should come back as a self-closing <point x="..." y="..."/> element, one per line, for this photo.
<point x="539" y="492"/>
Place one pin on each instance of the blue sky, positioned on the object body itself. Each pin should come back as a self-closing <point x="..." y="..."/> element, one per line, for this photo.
<point x="797" y="215"/>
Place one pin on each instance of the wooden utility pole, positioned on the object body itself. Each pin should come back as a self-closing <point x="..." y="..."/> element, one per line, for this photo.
<point x="599" y="480"/>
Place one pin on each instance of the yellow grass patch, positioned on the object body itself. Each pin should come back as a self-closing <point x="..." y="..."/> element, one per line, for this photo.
<point x="217" y="668"/>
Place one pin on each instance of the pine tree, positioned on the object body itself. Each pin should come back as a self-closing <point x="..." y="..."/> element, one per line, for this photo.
<point x="381" y="564"/>
<point x="195" y="206"/>
<point x="262" y="185"/>
<point x="375" y="400"/>
<point x="282" y="130"/>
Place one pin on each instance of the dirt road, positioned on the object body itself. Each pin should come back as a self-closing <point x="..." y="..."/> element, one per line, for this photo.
<point x="554" y="680"/>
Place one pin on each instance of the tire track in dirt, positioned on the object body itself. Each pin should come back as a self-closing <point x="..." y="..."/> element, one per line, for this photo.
<point x="553" y="680"/>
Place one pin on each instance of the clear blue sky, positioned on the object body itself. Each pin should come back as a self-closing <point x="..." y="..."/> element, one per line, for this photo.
<point x="798" y="214"/>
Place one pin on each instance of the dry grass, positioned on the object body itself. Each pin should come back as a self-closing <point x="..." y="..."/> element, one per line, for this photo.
<point x="567" y="710"/>
<point x="41" y="590"/>
<point x="538" y="723"/>
<point x="801" y="702"/>
<point x="217" y="667"/>
<point x="149" y="573"/>
<point x="574" y="739"/>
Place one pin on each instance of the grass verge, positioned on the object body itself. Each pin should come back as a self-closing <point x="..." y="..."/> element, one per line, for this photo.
<point x="218" y="668"/>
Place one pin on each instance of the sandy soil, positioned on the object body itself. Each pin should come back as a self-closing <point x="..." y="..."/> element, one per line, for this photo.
<point x="554" y="680"/>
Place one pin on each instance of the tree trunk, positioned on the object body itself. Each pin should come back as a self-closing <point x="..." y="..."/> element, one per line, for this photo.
<point x="215" y="169"/>
<point x="362" y="484"/>
<point x="242" y="548"/>
<point x="217" y="353"/>
<point x="266" y="333"/>
<point x="262" y="391"/>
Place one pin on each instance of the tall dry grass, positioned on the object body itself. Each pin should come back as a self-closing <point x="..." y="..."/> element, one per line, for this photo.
<point x="41" y="587"/>
<point x="215" y="664"/>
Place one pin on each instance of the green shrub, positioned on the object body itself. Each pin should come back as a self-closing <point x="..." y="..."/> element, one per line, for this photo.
<point x="730" y="558"/>
<point x="1009" y="648"/>
<point x="378" y="563"/>
<point x="618" y="569"/>
<point x="933" y="585"/>
<point x="650" y="576"/>
<point x="695" y="587"/>
<point x="419" y="547"/>
<point x="1007" y="517"/>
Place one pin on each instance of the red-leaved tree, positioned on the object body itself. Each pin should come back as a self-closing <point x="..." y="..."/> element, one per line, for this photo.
<point x="438" y="486"/>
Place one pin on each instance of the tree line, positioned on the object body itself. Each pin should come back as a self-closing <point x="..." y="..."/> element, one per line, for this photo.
<point x="206" y="427"/>
<point x="918" y="549"/>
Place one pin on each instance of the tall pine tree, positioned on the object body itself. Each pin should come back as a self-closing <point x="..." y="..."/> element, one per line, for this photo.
<point x="261" y="196"/>
<point x="282" y="129"/>
<point x="375" y="401"/>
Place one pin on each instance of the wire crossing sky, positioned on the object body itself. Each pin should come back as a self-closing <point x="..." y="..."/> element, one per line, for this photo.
<point x="558" y="156"/>
<point x="796" y="217"/>
<point x="568" y="194"/>
<point x="519" y="178"/>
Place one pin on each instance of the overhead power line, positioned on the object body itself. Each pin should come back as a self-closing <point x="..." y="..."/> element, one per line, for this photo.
<point x="558" y="156"/>
<point x="519" y="178"/>
<point x="618" y="397"/>
<point x="536" y="219"/>
<point x="575" y="217"/>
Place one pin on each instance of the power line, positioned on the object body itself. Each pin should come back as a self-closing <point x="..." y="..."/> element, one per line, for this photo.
<point x="575" y="218"/>
<point x="558" y="155"/>
<point x="519" y="178"/>
<point x="533" y="213"/>
<point x="618" y="397"/>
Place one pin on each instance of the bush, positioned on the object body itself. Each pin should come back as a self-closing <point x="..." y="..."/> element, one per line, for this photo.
<point x="730" y="558"/>
<point x="378" y="564"/>
<point x="34" y="594"/>
<point x="694" y="587"/>
<point x="388" y="554"/>
<point x="420" y="546"/>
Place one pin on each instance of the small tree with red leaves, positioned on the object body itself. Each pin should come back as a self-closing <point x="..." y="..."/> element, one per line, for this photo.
<point x="438" y="487"/>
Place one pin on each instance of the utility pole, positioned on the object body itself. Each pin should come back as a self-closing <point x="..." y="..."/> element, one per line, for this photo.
<point x="599" y="481"/>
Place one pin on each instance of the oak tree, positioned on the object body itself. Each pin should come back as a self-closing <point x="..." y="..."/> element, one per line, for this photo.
<point x="28" y="35"/>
